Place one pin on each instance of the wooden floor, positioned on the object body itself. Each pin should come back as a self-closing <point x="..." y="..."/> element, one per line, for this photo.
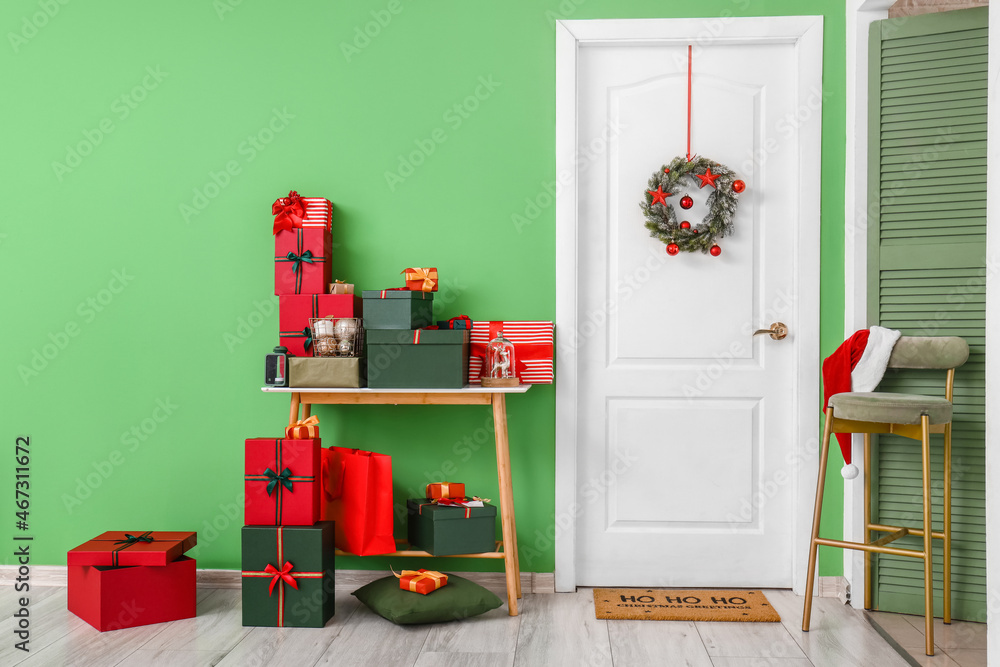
<point x="552" y="630"/>
<point x="960" y="644"/>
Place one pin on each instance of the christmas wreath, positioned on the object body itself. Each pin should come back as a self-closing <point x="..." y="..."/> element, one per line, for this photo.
<point x="661" y="220"/>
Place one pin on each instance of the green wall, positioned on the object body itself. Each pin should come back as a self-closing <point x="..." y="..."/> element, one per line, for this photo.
<point x="143" y="145"/>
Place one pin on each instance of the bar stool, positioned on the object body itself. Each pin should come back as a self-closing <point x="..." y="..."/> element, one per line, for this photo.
<point x="911" y="416"/>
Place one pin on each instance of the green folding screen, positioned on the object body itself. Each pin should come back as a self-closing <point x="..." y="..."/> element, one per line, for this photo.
<point x="926" y="277"/>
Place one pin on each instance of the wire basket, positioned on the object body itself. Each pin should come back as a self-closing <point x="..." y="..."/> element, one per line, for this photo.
<point x="336" y="336"/>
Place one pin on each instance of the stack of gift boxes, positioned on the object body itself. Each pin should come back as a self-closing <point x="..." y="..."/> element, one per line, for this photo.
<point x="288" y="552"/>
<point x="303" y="247"/>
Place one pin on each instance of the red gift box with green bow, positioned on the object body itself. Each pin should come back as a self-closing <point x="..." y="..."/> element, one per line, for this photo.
<point x="282" y="482"/>
<point x="302" y="260"/>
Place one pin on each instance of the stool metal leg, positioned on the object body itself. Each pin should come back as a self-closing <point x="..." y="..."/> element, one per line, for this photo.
<point x="925" y="449"/>
<point x="817" y="511"/>
<point x="947" y="524"/>
<point x="868" y="519"/>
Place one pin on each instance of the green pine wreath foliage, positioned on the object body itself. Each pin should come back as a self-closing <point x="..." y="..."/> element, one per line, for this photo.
<point x="661" y="221"/>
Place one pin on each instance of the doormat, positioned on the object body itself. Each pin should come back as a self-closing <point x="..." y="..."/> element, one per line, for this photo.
<point x="683" y="605"/>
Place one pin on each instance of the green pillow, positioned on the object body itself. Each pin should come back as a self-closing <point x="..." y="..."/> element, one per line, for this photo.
<point x="458" y="599"/>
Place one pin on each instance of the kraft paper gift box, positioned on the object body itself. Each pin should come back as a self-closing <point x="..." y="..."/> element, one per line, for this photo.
<point x="397" y="309"/>
<point x="433" y="359"/>
<point x="326" y="372"/>
<point x="282" y="482"/>
<point x="295" y="311"/>
<point x="448" y="530"/>
<point x="288" y="575"/>
<point x="533" y="348"/>
<point x="124" y="580"/>
<point x="302" y="260"/>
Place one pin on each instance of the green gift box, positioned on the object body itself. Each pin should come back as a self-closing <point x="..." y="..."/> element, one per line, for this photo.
<point x="326" y="371"/>
<point x="448" y="530"/>
<point x="434" y="359"/>
<point x="288" y="575"/>
<point x="397" y="309"/>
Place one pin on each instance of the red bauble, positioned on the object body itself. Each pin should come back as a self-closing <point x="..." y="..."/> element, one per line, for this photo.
<point x="739" y="186"/>
<point x="715" y="251"/>
<point x="685" y="225"/>
<point x="687" y="202"/>
<point x="672" y="249"/>
<point x="694" y="231"/>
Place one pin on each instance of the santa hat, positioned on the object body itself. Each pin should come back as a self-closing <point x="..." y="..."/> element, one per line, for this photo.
<point x="857" y="365"/>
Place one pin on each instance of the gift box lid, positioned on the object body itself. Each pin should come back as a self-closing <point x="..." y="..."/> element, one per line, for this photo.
<point x="119" y="548"/>
<point x="397" y="294"/>
<point x="417" y="336"/>
<point x="435" y="512"/>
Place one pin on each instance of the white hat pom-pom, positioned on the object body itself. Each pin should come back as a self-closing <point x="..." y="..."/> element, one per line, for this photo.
<point x="849" y="471"/>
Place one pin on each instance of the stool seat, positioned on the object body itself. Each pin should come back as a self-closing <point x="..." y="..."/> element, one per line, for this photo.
<point x="886" y="408"/>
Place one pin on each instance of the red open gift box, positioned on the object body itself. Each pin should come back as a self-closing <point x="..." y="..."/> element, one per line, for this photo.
<point x="123" y="580"/>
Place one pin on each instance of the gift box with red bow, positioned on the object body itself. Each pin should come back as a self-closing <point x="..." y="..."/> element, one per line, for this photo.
<point x="282" y="482"/>
<point x="302" y="260"/>
<point x="421" y="279"/>
<point x="127" y="579"/>
<point x="533" y="348"/>
<point x="295" y="212"/>
<point x="295" y="311"/>
<point x="446" y="490"/>
<point x="288" y="575"/>
<point x="421" y="581"/>
<point x="444" y="527"/>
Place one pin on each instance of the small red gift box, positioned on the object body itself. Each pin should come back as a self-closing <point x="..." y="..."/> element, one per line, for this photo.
<point x="533" y="348"/>
<point x="303" y="429"/>
<point x="282" y="482"/>
<point x="446" y="490"/>
<point x="295" y="310"/>
<point x="421" y="279"/>
<point x="421" y="581"/>
<point x="127" y="579"/>
<point x="302" y="260"/>
<point x="295" y="211"/>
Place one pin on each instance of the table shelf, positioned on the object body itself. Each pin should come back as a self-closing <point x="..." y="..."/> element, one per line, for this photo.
<point x="306" y="397"/>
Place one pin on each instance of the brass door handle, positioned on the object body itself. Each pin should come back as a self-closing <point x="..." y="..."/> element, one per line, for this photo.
<point x="777" y="331"/>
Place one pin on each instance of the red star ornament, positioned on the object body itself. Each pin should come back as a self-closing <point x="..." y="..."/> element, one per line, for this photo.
<point x="659" y="196"/>
<point x="708" y="178"/>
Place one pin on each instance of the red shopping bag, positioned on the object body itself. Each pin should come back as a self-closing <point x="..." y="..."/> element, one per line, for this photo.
<point x="357" y="495"/>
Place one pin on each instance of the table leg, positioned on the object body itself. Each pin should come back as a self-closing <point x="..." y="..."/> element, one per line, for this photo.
<point x="506" y="503"/>
<point x="294" y="415"/>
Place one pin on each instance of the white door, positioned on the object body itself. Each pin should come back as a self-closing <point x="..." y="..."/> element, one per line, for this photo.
<point x="688" y="441"/>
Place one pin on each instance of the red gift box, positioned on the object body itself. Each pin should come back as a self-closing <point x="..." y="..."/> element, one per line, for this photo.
<point x="112" y="598"/>
<point x="533" y="348"/>
<point x="302" y="261"/>
<point x="295" y="211"/>
<point x="117" y="548"/>
<point x="421" y="581"/>
<point x="446" y="490"/>
<point x="303" y="429"/>
<point x="420" y="279"/>
<point x="282" y="482"/>
<point x="295" y="310"/>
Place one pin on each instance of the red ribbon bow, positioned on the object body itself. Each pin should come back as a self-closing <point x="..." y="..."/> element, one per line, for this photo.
<point x="289" y="212"/>
<point x="284" y="574"/>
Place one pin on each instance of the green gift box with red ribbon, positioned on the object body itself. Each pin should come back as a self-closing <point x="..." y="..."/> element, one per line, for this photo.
<point x="288" y="575"/>
<point x="446" y="527"/>
<point x="281" y="481"/>
<point x="422" y="358"/>
<point x="302" y="260"/>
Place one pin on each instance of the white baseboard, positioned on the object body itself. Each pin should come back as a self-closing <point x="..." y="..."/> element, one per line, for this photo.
<point x="834" y="587"/>
<point x="348" y="580"/>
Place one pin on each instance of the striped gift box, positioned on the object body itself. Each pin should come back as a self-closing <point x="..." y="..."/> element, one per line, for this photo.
<point x="319" y="212"/>
<point x="533" y="348"/>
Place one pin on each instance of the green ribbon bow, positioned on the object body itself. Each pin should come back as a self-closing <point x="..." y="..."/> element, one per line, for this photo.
<point x="132" y="539"/>
<point x="297" y="260"/>
<point x="276" y="479"/>
<point x="307" y="332"/>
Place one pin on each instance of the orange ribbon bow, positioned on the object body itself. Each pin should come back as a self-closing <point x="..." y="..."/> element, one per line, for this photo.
<point x="428" y="277"/>
<point x="303" y="429"/>
<point x="412" y="580"/>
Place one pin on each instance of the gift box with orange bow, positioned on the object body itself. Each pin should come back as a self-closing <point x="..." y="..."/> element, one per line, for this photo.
<point x="421" y="581"/>
<point x="420" y="279"/>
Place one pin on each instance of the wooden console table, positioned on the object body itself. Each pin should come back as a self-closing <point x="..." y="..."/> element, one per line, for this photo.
<point x="470" y="395"/>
